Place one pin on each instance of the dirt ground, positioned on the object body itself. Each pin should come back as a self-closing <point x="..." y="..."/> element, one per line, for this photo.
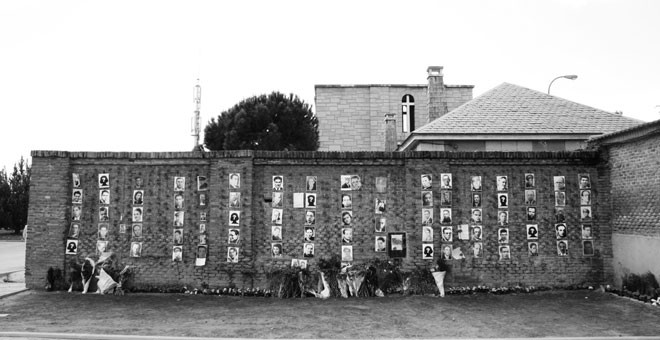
<point x="541" y="314"/>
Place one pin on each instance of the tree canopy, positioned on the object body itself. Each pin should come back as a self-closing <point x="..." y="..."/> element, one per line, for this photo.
<point x="14" y="194"/>
<point x="266" y="122"/>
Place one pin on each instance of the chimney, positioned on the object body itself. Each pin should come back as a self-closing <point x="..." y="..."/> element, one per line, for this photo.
<point x="436" y="93"/>
<point x="390" y="132"/>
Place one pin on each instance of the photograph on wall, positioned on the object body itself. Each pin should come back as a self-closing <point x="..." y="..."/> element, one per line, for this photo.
<point x="585" y="212"/>
<point x="234" y="181"/>
<point x="560" y="198"/>
<point x="475" y="216"/>
<point x="347" y="253"/>
<point x="302" y="264"/>
<point x="530" y="181"/>
<point x="585" y="181"/>
<point x="588" y="248"/>
<point x="309" y="234"/>
<point x="427" y="251"/>
<point x="505" y="252"/>
<point x="104" y="214"/>
<point x="530" y="197"/>
<point x="202" y="217"/>
<point x="295" y="263"/>
<point x="502" y="183"/>
<point x="445" y="181"/>
<point x="276" y="216"/>
<point x="381" y="223"/>
<point x="71" y="247"/>
<point x="308" y="250"/>
<point x="447" y="252"/>
<point x="178" y="218"/>
<point x="585" y="197"/>
<point x="346" y="235"/>
<point x="427" y="234"/>
<point x="379" y="206"/>
<point x="233" y="236"/>
<point x="347" y="217"/>
<point x="531" y="213"/>
<point x="298" y="199"/>
<point x="277" y="201"/>
<point x="137" y="214"/>
<point x="178" y="201"/>
<point x="427" y="199"/>
<point x="503" y="200"/>
<point x="397" y="246"/>
<point x="380" y="244"/>
<point x="122" y="229"/>
<point x="276" y="249"/>
<point x="202" y="228"/>
<point x="310" y="217"/>
<point x="503" y="235"/>
<point x="77" y="196"/>
<point x="559" y="183"/>
<point x="178" y="236"/>
<point x="475" y="183"/>
<point x="502" y="217"/>
<point x="136" y="230"/>
<point x="427" y="181"/>
<point x="533" y="248"/>
<point x="532" y="232"/>
<point x="138" y="197"/>
<point x="235" y="217"/>
<point x="587" y="232"/>
<point x="101" y="247"/>
<point x="310" y="200"/>
<point x="356" y="182"/>
<point x="463" y="232"/>
<point x="177" y="253"/>
<point x="138" y="182"/>
<point x="104" y="196"/>
<point x="276" y="233"/>
<point x="476" y="200"/>
<point x="345" y="182"/>
<point x="278" y="183"/>
<point x="427" y="216"/>
<point x="311" y="183"/>
<point x="560" y="231"/>
<point x="381" y="185"/>
<point x="74" y="230"/>
<point x="202" y="183"/>
<point x="562" y="248"/>
<point x="179" y="183"/>
<point x="477" y="249"/>
<point x="104" y="181"/>
<point x="202" y="200"/>
<point x="346" y="201"/>
<point x="447" y="234"/>
<point x="445" y="198"/>
<point x="560" y="216"/>
<point x="476" y="233"/>
<point x="201" y="239"/>
<point x="75" y="178"/>
<point x="200" y="259"/>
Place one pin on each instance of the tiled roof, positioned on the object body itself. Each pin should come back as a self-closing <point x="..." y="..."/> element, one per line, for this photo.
<point x="512" y="109"/>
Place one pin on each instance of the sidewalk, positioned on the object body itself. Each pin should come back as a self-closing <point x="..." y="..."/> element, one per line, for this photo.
<point x="12" y="283"/>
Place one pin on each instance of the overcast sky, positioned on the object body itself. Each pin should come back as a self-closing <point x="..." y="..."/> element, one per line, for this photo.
<point x="118" y="75"/>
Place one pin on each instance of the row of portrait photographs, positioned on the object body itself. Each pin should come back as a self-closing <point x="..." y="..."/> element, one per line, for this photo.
<point x="299" y="263"/>
<point x="180" y="183"/>
<point x="427" y="181"/>
<point x="351" y="182"/>
<point x="445" y="216"/>
<point x="445" y="198"/>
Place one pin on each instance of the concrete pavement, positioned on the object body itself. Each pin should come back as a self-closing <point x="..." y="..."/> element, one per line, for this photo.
<point x="12" y="267"/>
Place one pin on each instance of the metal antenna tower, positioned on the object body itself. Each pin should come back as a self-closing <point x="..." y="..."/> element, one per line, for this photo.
<point x="194" y="126"/>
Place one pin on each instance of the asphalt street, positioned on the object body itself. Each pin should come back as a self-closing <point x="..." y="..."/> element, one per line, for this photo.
<point x="12" y="256"/>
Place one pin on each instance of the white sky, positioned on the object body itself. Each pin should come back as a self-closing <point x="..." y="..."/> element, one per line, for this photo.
<point x="118" y="75"/>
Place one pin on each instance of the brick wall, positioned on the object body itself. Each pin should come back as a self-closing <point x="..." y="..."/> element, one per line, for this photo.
<point x="49" y="218"/>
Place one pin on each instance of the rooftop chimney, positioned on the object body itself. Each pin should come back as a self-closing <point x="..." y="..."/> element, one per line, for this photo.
<point x="436" y="93"/>
<point x="390" y="132"/>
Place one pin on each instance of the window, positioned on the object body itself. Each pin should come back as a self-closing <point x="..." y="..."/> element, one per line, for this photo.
<point x="408" y="113"/>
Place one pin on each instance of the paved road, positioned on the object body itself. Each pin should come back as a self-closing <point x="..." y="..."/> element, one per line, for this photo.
<point x="12" y="256"/>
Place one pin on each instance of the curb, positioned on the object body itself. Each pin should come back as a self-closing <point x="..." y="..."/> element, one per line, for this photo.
<point x="13" y="293"/>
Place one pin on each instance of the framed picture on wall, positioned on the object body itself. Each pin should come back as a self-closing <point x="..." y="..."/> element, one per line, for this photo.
<point x="585" y="181"/>
<point x="397" y="246"/>
<point x="202" y="184"/>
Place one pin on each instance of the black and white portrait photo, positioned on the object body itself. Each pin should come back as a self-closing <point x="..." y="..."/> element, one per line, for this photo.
<point x="505" y="252"/>
<point x="427" y="181"/>
<point x="276" y="249"/>
<point x="585" y="197"/>
<point x="445" y="181"/>
<point x="559" y="183"/>
<point x="178" y="218"/>
<point x="104" y="229"/>
<point x="587" y="232"/>
<point x="77" y="196"/>
<point x="476" y="233"/>
<point x="502" y="217"/>
<point x="202" y="228"/>
<point x="347" y="235"/>
<point x="347" y="253"/>
<point x="427" y="199"/>
<point x="381" y="185"/>
<point x="101" y="247"/>
<point x="278" y="183"/>
<point x="588" y="248"/>
<point x="276" y="216"/>
<point x="104" y="181"/>
<point x="477" y="250"/>
<point x="585" y="181"/>
<point x="533" y="248"/>
<point x="476" y="200"/>
<point x="233" y="236"/>
<point x="309" y="234"/>
<point x="104" y="196"/>
<point x="122" y="228"/>
<point x="347" y="217"/>
<point x="560" y="216"/>
<point x="136" y="230"/>
<point x="445" y="198"/>
<point x="202" y="183"/>
<point x="345" y="182"/>
<point x="104" y="214"/>
<point x="138" y="182"/>
<point x="138" y="197"/>
<point x="427" y="234"/>
<point x="75" y="178"/>
<point x="136" y="249"/>
<point x="277" y="200"/>
<point x="235" y="217"/>
<point x="178" y="201"/>
<point x="562" y="248"/>
<point x="530" y="182"/>
<point x="71" y="247"/>
<point x="200" y="258"/>
<point x="475" y="183"/>
<point x="178" y="236"/>
<point x="381" y="223"/>
<point x="356" y="182"/>
<point x="532" y="232"/>
<point x="560" y="198"/>
<point x="202" y="200"/>
<point x="310" y="217"/>
<point x="201" y="239"/>
<point x="177" y="253"/>
<point x="560" y="231"/>
<point x="502" y="183"/>
<point x="74" y="230"/>
<point x="380" y="244"/>
<point x="379" y="206"/>
<point x="346" y="201"/>
<point x="475" y="216"/>
<point x="447" y="234"/>
<point x="427" y="251"/>
<point x="308" y="250"/>
<point x="232" y="254"/>
<point x="502" y="200"/>
<point x="447" y="253"/>
<point x="585" y="212"/>
<point x="427" y="216"/>
<point x="503" y="235"/>
<point x="234" y="181"/>
<point x="202" y="217"/>
<point x="310" y="183"/>
<point x="310" y="200"/>
<point x="530" y="197"/>
<point x="179" y="183"/>
<point x="235" y="199"/>
<point x="531" y="213"/>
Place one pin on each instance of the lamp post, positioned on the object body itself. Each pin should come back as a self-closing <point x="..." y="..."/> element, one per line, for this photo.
<point x="570" y="76"/>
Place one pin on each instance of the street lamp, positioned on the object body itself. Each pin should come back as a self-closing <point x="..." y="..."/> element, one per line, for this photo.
<point x="570" y="76"/>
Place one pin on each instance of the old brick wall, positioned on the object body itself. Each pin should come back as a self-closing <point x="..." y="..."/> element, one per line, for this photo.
<point x="49" y="222"/>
